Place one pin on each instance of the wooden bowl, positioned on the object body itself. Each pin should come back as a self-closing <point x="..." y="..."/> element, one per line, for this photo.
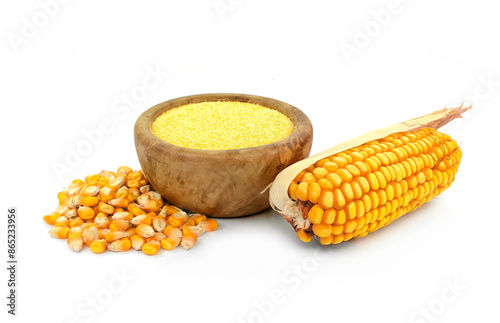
<point x="219" y="183"/>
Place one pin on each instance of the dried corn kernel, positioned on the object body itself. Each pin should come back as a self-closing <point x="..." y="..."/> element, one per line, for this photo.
<point x="135" y="209"/>
<point x="103" y="233"/>
<point x="71" y="213"/>
<point x="172" y="209"/>
<point x="106" y="194"/>
<point x="75" y="243"/>
<point x="89" y="200"/>
<point x="198" y="231"/>
<point x="75" y="231"/>
<point x="63" y="197"/>
<point x="89" y="235"/>
<point x="122" y="216"/>
<point x="130" y="232"/>
<point x="59" y="232"/>
<point x="124" y="170"/>
<point x="150" y="206"/>
<point x="151" y="248"/>
<point x="119" y="202"/>
<point x="51" y="218"/>
<point x="122" y="244"/>
<point x="85" y="212"/>
<point x="102" y="221"/>
<point x="158" y="236"/>
<point x="197" y="218"/>
<point x="98" y="246"/>
<point x="105" y="208"/>
<point x="75" y="222"/>
<point x="172" y="232"/>
<point x="61" y="222"/>
<point x="137" y="241"/>
<point x="209" y="225"/>
<point x="178" y="219"/>
<point x="119" y="225"/>
<point x="90" y="190"/>
<point x="188" y="240"/>
<point x="159" y="223"/>
<point x="141" y="219"/>
<point x="145" y="230"/>
<point x="170" y="243"/>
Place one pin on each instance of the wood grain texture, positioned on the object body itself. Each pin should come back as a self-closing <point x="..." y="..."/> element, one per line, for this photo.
<point x="220" y="183"/>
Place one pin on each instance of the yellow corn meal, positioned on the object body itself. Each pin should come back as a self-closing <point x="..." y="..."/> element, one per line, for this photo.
<point x="221" y="125"/>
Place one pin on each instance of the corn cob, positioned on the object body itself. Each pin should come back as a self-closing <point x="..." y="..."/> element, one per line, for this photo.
<point x="359" y="190"/>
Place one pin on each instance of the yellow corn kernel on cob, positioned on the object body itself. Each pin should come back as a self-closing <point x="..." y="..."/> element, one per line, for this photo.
<point x="361" y="189"/>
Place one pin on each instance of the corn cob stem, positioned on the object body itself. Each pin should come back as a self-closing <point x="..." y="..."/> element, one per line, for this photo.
<point x="325" y="203"/>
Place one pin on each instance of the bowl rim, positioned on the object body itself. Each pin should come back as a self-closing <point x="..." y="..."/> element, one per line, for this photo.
<point x="143" y="124"/>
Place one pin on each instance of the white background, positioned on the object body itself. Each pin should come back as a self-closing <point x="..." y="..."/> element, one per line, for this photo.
<point x="65" y="77"/>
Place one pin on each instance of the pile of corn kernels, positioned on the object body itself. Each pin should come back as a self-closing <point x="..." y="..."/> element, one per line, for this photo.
<point x="118" y="211"/>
